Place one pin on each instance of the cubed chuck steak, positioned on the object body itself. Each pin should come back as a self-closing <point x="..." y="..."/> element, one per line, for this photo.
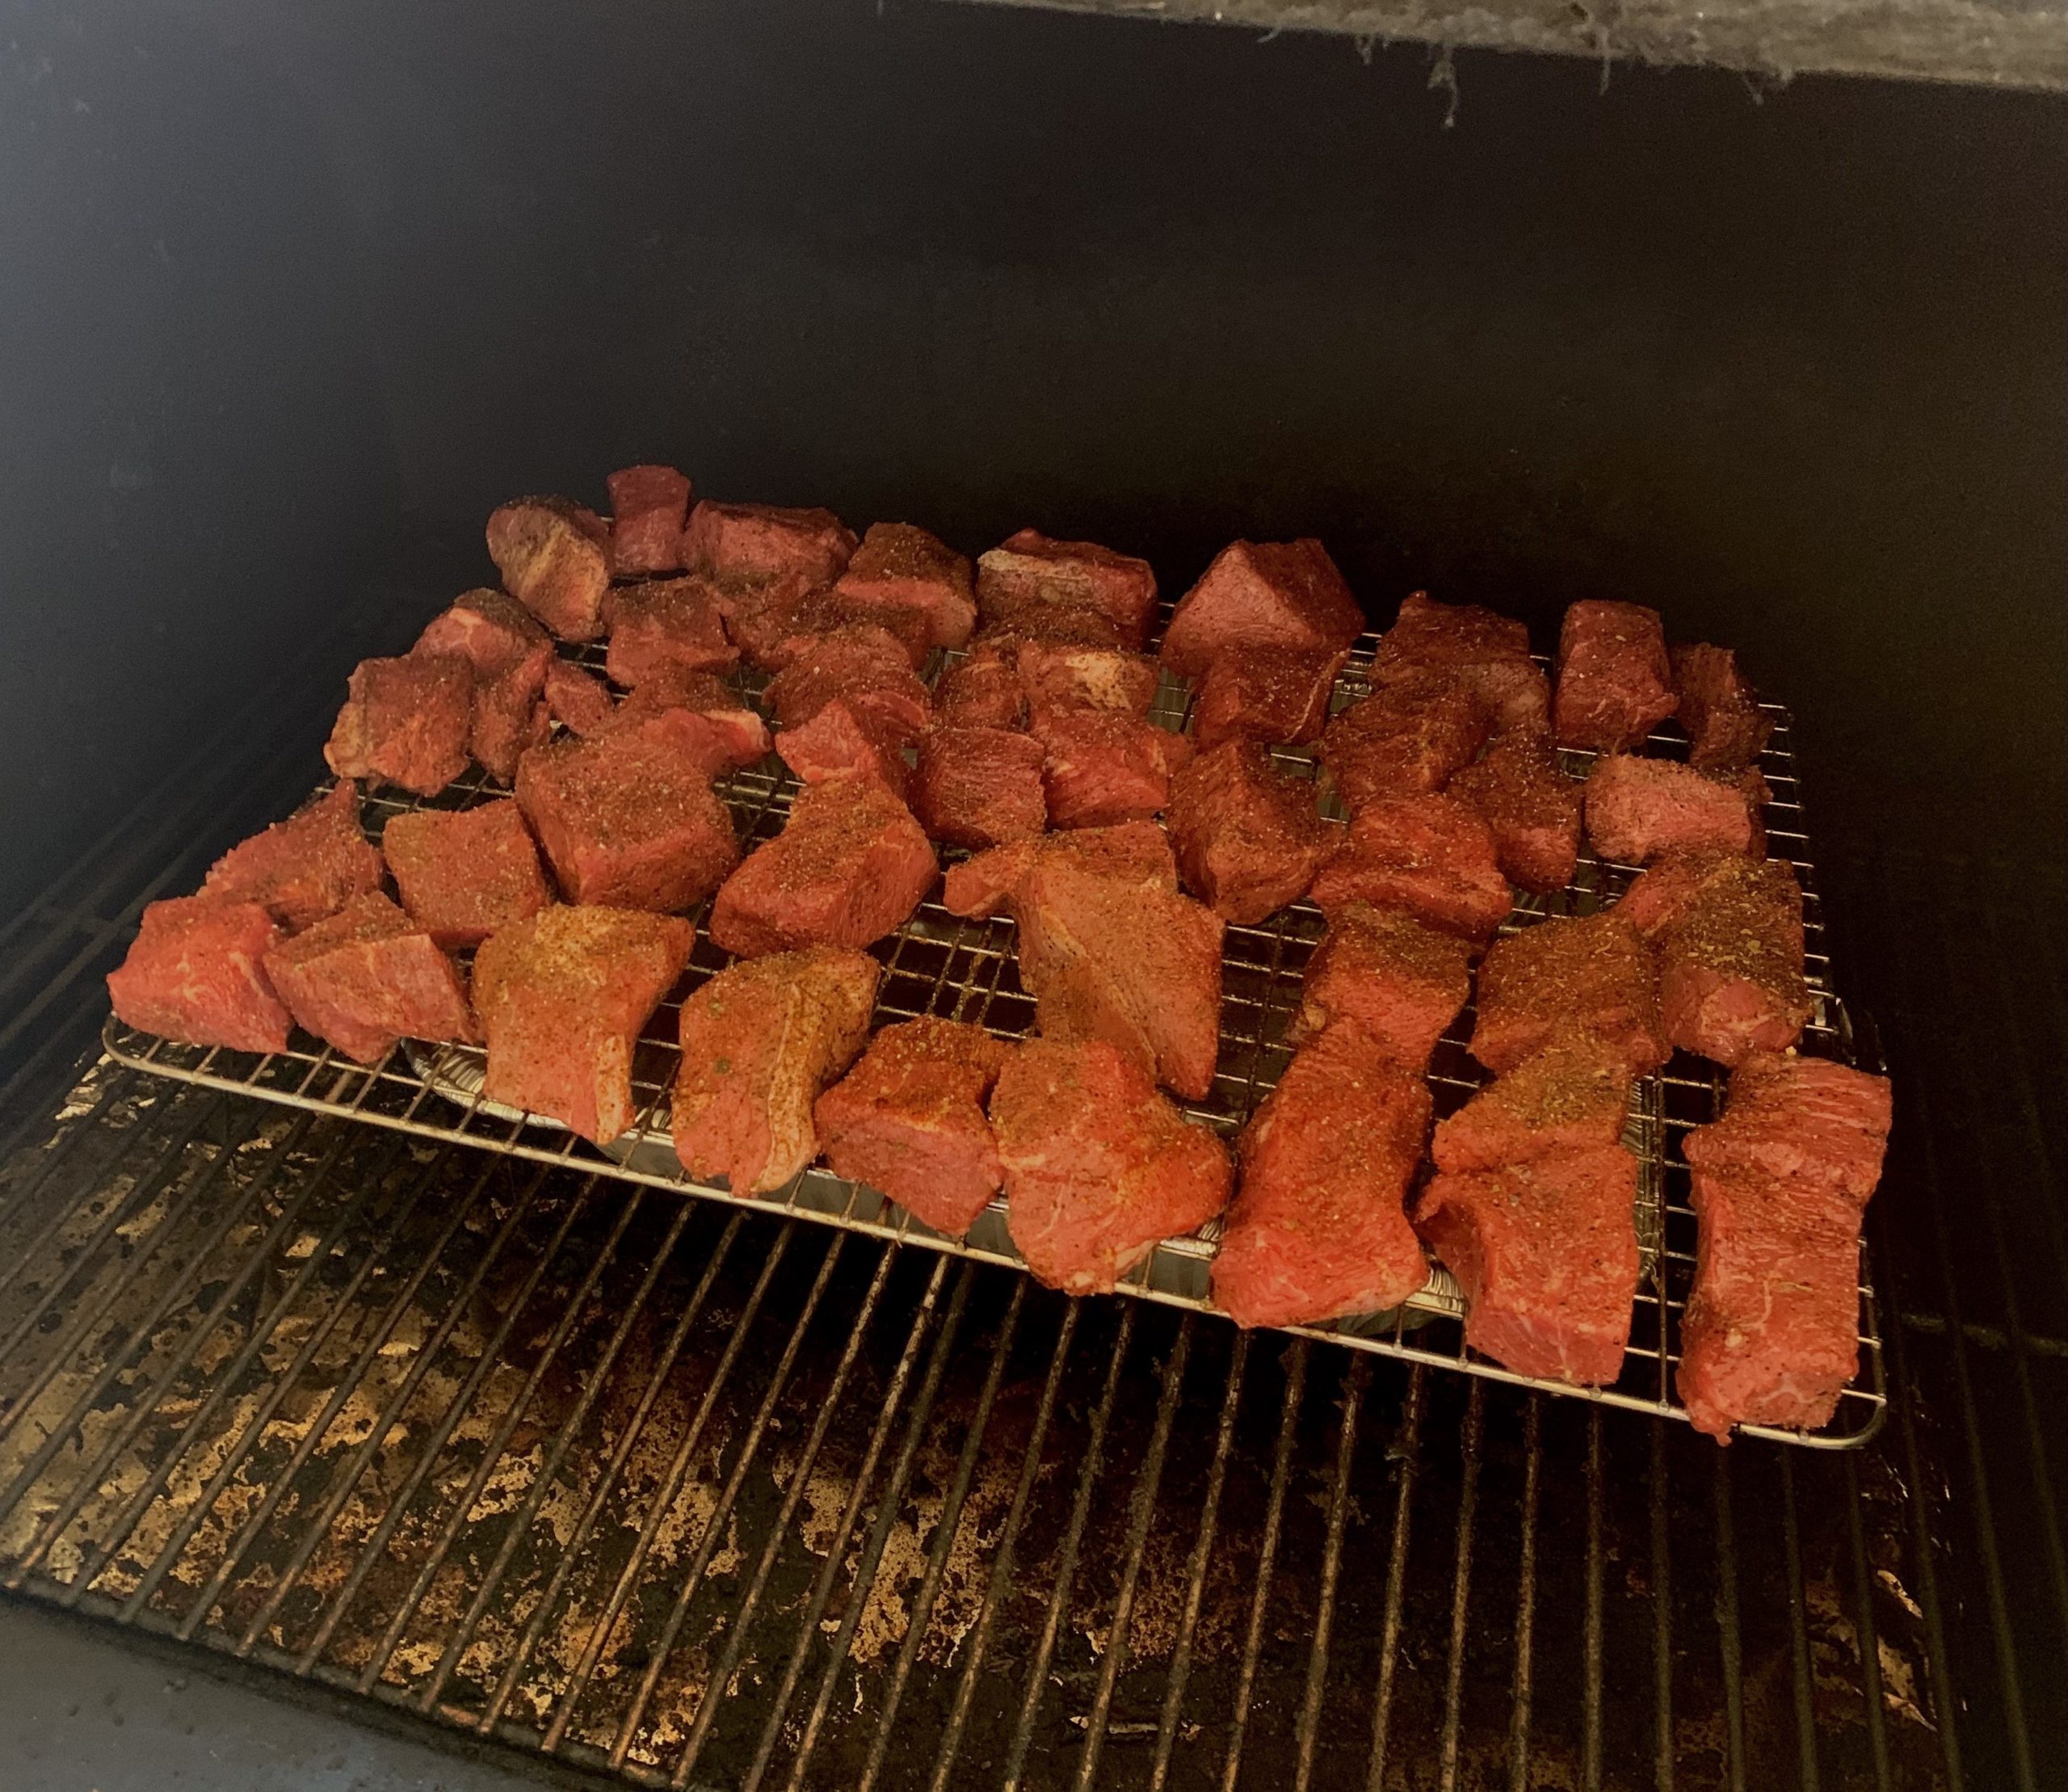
<point x="1381" y="972"/>
<point x="464" y="872"/>
<point x="1615" y="681"/>
<point x="554" y="557"/>
<point x="1571" y="1094"/>
<point x="695" y="713"/>
<point x="901" y="570"/>
<point x="1248" y="839"/>
<point x="1262" y="594"/>
<point x="777" y="624"/>
<point x="846" y="739"/>
<point x="755" y="543"/>
<point x="1030" y="575"/>
<point x="1726" y="728"/>
<point x="368" y="977"/>
<point x="579" y="701"/>
<point x="406" y="721"/>
<point x="1730" y="961"/>
<point x="196" y="972"/>
<point x="512" y="656"/>
<point x="1103" y="767"/>
<point x="1486" y="653"/>
<point x="649" y="506"/>
<point x="1111" y="679"/>
<point x="1431" y="856"/>
<point x="980" y="787"/>
<point x="304" y="868"/>
<point x="1276" y="696"/>
<point x="984" y="690"/>
<point x="1638" y="809"/>
<point x="1532" y="807"/>
<point x="667" y="624"/>
<point x="1593" y="970"/>
<point x="1406" y="739"/>
<point x="862" y="663"/>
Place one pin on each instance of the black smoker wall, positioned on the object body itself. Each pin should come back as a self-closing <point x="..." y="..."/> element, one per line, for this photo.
<point x="284" y="288"/>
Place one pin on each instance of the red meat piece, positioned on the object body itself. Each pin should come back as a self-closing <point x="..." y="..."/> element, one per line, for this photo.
<point x="759" y="1040"/>
<point x="464" y="872"/>
<point x="1277" y="695"/>
<point x="1730" y="963"/>
<point x="510" y="655"/>
<point x="1615" y="681"/>
<point x="1389" y="977"/>
<point x="627" y="821"/>
<point x="407" y="721"/>
<point x="1100" y="1168"/>
<point x="1571" y="1094"/>
<point x="554" y="558"/>
<point x="1727" y="728"/>
<point x="368" y="977"/>
<point x="1487" y="654"/>
<point x="863" y="664"/>
<point x="695" y="713"/>
<point x="850" y="866"/>
<point x="1661" y="893"/>
<point x="776" y="630"/>
<point x="1135" y="853"/>
<point x="1792" y="1118"/>
<point x="983" y="690"/>
<point x="1248" y="840"/>
<point x="980" y="787"/>
<point x="668" y="625"/>
<point x="1268" y="594"/>
<point x="1638" y="809"/>
<point x="579" y="701"/>
<point x="1431" y="856"/>
<point x="843" y="738"/>
<point x="1592" y="970"/>
<point x="1097" y="678"/>
<point x="909" y="1120"/>
<point x="304" y="868"/>
<point x="757" y="542"/>
<point x="562" y="999"/>
<point x="196" y="972"/>
<point x="1406" y="737"/>
<point x="1031" y="581"/>
<point x="1104" y="766"/>
<point x="901" y="570"/>
<point x="1532" y="807"/>
<point x="649" y="506"/>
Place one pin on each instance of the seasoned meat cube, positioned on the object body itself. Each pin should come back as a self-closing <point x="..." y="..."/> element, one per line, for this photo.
<point x="983" y="690"/>
<point x="1431" y="856"/>
<point x="1593" y="970"/>
<point x="510" y="655"/>
<point x="909" y="1119"/>
<point x="862" y="663"/>
<point x="304" y="868"/>
<point x="1487" y="654"/>
<point x="407" y="721"/>
<point x="1571" y="1094"/>
<point x="1532" y="807"/>
<point x="1615" y="681"/>
<point x="667" y="624"/>
<point x="1248" y="839"/>
<point x="695" y="713"/>
<point x="1277" y="695"/>
<point x="759" y="1042"/>
<point x="1030" y="578"/>
<point x="627" y="821"/>
<point x="1135" y="853"/>
<point x="1730" y="964"/>
<point x="196" y="972"/>
<point x="1319" y="1227"/>
<point x="777" y="627"/>
<point x="649" y="506"/>
<point x="464" y="872"/>
<point x="1638" y="809"/>
<point x="1103" y="768"/>
<point x="1405" y="738"/>
<point x="1660" y="894"/>
<point x="1097" y="678"/>
<point x="845" y="738"/>
<point x="903" y="570"/>
<point x="758" y="542"/>
<point x="1262" y="594"/>
<point x="980" y="786"/>
<point x="579" y="701"/>
<point x="368" y="976"/>
<point x="554" y="558"/>
<point x="561" y="998"/>
<point x="1100" y="1168"/>
<point x="1724" y="723"/>
<point x="1546" y="1254"/>
<point x="1796" y="1119"/>
<point x="849" y="867"/>
<point x="1388" y="977"/>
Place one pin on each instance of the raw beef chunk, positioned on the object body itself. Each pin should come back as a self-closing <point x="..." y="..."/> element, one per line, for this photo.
<point x="1384" y="974"/>
<point x="758" y="542"/>
<point x="1730" y="964"/>
<point x="759" y="1042"/>
<point x="1028" y="577"/>
<point x="464" y="872"/>
<point x="579" y="701"/>
<point x="1403" y="740"/>
<point x="1661" y="893"/>
<point x="510" y="655"/>
<point x="909" y="1119"/>
<point x="1319" y="1228"/>
<point x="304" y="868"/>
<point x="407" y="721"/>
<point x="196" y="972"/>
<point x="1103" y="768"/>
<point x="1532" y="807"/>
<point x="1137" y="854"/>
<point x="1594" y="971"/>
<point x="1431" y="856"/>
<point x="1724" y="723"/>
<point x="1277" y="695"/>
<point x="983" y="690"/>
<point x="667" y="624"/>
<point x="849" y="867"/>
<point x="1097" y="678"/>
<point x="844" y="739"/>
<point x="1779" y="1185"/>
<point x="774" y="626"/>
<point x="1546" y="1254"/>
<point x="1262" y="594"/>
<point x="1638" y="809"/>
<point x="695" y="714"/>
<point x="649" y="506"/>
<point x="903" y="570"/>
<point x="627" y="822"/>
<point x="1488" y="653"/>
<point x="554" y="558"/>
<point x="1248" y="840"/>
<point x="1614" y="682"/>
<point x="1098" y="1167"/>
<point x="368" y="977"/>
<point x="562" y="999"/>
<point x="980" y="786"/>
<point x="862" y="663"/>
<point x="1571" y="1094"/>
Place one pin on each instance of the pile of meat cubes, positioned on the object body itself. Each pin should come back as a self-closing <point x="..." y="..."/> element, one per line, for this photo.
<point x="1003" y="711"/>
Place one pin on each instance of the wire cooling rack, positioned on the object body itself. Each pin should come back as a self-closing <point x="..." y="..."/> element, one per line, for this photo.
<point x="939" y="964"/>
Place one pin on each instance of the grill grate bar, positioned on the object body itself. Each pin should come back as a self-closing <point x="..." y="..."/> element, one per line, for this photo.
<point x="1662" y="1606"/>
<point x="1468" y="1509"/>
<point x="1306" y="1734"/>
<point x="1590" y="1694"/>
<point x="1521" y="1689"/>
<point x="1281" y="1463"/>
<point x="1728" y="1639"/>
<point x="1408" y="1453"/>
<point x="1806" y="1709"/>
<point x="1870" y="1651"/>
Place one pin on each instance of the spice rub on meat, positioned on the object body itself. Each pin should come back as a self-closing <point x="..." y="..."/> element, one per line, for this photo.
<point x="554" y="557"/>
<point x="464" y="872"/>
<point x="1727" y="731"/>
<point x="1248" y="839"/>
<point x="1101" y="766"/>
<point x="405" y="720"/>
<point x="649" y="506"/>
<point x="1385" y="974"/>
<point x="980" y="787"/>
<point x="1431" y="856"/>
<point x="667" y="624"/>
<point x="512" y="656"/>
<point x="1032" y="582"/>
<point x="368" y="977"/>
<point x="196" y="972"/>
<point x="1637" y="809"/>
<point x="1264" y="593"/>
<point x="1487" y="654"/>
<point x="754" y="543"/>
<point x="1275" y="696"/>
<point x="1571" y="1094"/>
<point x="1406" y="739"/>
<point x="901" y="570"/>
<point x="304" y="868"/>
<point x="1615" y="681"/>
<point x="1594" y="971"/>
<point x="1531" y="806"/>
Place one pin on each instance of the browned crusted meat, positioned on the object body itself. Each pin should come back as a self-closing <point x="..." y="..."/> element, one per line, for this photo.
<point x="1390" y="978"/>
<point x="1487" y="654"/>
<point x="1248" y="840"/>
<point x="649" y="506"/>
<point x="196" y="972"/>
<point x="1532" y="807"/>
<point x="464" y="872"/>
<point x="553" y="555"/>
<point x="304" y="868"/>
<point x="406" y="721"/>
<point x="1030" y="580"/>
<point x="1614" y="682"/>
<point x="1592" y="970"/>
<point x="1277" y="695"/>
<point x="980" y="786"/>
<point x="1726" y="727"/>
<point x="367" y="978"/>
<point x="902" y="570"/>
<point x="1264" y="594"/>
<point x="1638" y="809"/>
<point x="1406" y="739"/>
<point x="1431" y="856"/>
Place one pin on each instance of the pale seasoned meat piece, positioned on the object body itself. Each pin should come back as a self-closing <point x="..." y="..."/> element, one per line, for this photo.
<point x="1103" y="767"/>
<point x="759" y="1042"/>
<point x="196" y="972"/>
<point x="304" y="868"/>
<point x="1319" y="1228"/>
<point x="1639" y="808"/>
<point x="901" y="570"/>
<point x="1592" y="970"/>
<point x="753" y="543"/>
<point x="1248" y="839"/>
<point x="1731" y="978"/>
<point x="864" y="665"/>
<point x="1615" y="681"/>
<point x="1532" y="807"/>
<point x="627" y="821"/>
<point x="1030" y="577"/>
<point x="1100" y="1168"/>
<point x="1111" y="679"/>
<point x="1726" y="727"/>
<point x="983" y="690"/>
<point x="464" y="872"/>
<point x="980" y="787"/>
<point x="650" y="505"/>
<point x="510" y="655"/>
<point x="1262" y="594"/>
<point x="850" y="866"/>
<point x="1546" y="1251"/>
<point x="1276" y="696"/>
<point x="1431" y="856"/>
<point x="1771" y="1331"/>
<point x="368" y="977"/>
<point x="1406" y="739"/>
<point x="697" y="714"/>
<point x="554" y="557"/>
<point x="1383" y="974"/>
<point x="909" y="1120"/>
<point x="667" y="624"/>
<point x="562" y="999"/>
<point x="1487" y="654"/>
<point x="1571" y="1094"/>
<point x="579" y="701"/>
<point x="843" y="739"/>
<point x="407" y="722"/>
